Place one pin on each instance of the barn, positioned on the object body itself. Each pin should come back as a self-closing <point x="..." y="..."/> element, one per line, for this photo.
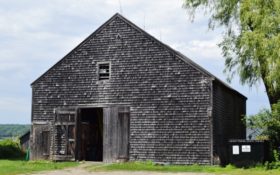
<point x="123" y="95"/>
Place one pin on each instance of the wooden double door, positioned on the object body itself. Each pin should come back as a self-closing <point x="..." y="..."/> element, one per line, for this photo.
<point x="94" y="134"/>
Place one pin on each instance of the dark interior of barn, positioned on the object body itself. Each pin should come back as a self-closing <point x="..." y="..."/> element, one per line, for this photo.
<point x="91" y="134"/>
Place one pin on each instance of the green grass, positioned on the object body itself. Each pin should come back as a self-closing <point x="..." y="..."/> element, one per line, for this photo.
<point x="12" y="167"/>
<point x="149" y="166"/>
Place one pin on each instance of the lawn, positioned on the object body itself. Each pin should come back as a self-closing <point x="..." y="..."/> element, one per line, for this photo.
<point x="12" y="167"/>
<point x="149" y="166"/>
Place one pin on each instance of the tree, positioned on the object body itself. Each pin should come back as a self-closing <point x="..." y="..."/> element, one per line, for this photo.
<point x="251" y="41"/>
<point x="267" y="122"/>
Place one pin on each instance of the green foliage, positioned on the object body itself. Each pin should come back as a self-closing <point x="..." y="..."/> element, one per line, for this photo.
<point x="276" y="155"/>
<point x="275" y="164"/>
<point x="251" y="42"/>
<point x="8" y="167"/>
<point x="10" y="149"/>
<point x="272" y="165"/>
<point x="222" y="12"/>
<point x="268" y="124"/>
<point x="12" y="130"/>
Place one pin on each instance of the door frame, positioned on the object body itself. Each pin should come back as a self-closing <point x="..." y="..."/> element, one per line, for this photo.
<point x="78" y="129"/>
<point x="77" y="120"/>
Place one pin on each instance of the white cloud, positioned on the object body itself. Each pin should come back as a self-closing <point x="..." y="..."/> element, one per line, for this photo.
<point x="9" y="103"/>
<point x="200" y="49"/>
<point x="13" y="23"/>
<point x="17" y="110"/>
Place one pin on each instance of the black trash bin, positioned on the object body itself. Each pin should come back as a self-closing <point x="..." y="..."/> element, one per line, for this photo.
<point x="245" y="153"/>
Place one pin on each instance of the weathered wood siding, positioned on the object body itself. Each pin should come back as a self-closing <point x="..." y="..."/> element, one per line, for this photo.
<point x="228" y="110"/>
<point x="168" y="98"/>
<point x="37" y="144"/>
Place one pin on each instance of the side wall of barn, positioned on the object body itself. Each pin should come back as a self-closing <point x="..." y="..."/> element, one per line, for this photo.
<point x="228" y="109"/>
<point x="168" y="98"/>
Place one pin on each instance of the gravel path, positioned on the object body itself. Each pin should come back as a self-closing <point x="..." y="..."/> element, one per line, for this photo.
<point x="81" y="170"/>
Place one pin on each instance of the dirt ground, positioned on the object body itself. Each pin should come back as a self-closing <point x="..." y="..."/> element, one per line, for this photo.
<point x="81" y="170"/>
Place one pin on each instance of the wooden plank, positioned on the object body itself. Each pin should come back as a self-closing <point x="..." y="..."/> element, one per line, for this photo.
<point x="63" y="158"/>
<point x="106" y="136"/>
<point x="40" y="122"/>
<point x="124" y="109"/>
<point x="77" y="135"/>
<point x="116" y="134"/>
<point x="66" y="112"/>
<point x="123" y="134"/>
<point x="65" y="123"/>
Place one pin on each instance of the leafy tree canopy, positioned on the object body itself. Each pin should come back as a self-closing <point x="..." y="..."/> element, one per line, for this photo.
<point x="251" y="41"/>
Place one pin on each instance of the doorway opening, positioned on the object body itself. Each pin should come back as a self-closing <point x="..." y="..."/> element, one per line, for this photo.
<point x="91" y="134"/>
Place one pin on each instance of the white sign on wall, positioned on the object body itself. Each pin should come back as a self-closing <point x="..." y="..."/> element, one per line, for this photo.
<point x="246" y="148"/>
<point x="235" y="149"/>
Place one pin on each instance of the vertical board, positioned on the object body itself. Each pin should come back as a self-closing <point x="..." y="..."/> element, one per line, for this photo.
<point x="110" y="135"/>
<point x="77" y="135"/>
<point x="123" y="134"/>
<point x="106" y="136"/>
<point x="116" y="135"/>
<point x="46" y="142"/>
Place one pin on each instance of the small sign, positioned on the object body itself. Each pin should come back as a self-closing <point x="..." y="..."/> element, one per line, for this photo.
<point x="235" y="149"/>
<point x="246" y="148"/>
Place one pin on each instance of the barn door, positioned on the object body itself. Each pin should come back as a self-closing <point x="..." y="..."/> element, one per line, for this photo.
<point x="64" y="133"/>
<point x="116" y="134"/>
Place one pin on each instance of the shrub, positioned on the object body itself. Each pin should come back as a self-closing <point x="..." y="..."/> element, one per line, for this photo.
<point x="267" y="124"/>
<point x="10" y="149"/>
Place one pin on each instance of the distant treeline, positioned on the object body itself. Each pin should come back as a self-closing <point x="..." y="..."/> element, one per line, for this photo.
<point x="12" y="130"/>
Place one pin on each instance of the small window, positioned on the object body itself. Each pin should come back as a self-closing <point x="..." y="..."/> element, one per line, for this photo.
<point x="103" y="71"/>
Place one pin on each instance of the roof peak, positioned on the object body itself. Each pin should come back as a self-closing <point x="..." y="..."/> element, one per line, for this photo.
<point x="117" y="15"/>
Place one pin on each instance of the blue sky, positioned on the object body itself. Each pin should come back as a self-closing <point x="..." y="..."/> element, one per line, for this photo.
<point x="35" y="34"/>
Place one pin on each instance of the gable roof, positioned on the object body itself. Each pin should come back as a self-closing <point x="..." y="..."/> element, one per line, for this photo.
<point x="176" y="53"/>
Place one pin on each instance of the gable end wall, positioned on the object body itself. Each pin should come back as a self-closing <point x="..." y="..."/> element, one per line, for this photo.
<point x="168" y="98"/>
